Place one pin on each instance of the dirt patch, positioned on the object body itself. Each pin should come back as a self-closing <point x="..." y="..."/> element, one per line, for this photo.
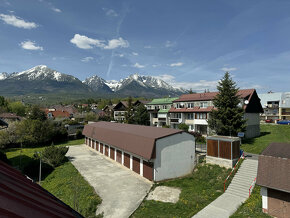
<point x="164" y="194"/>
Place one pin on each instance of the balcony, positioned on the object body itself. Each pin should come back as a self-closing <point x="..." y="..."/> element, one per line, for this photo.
<point x="272" y="105"/>
<point x="285" y="113"/>
<point x="175" y="120"/>
<point x="162" y="119"/>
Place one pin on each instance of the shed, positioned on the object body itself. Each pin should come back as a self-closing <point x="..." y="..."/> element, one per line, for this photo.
<point x="274" y="177"/>
<point x="223" y="150"/>
<point x="154" y="153"/>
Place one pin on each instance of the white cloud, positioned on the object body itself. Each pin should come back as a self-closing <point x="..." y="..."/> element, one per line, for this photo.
<point x="147" y="46"/>
<point x="29" y="45"/>
<point x="120" y="55"/>
<point x="156" y="65"/>
<point x="137" y="65"/>
<point x="111" y="12"/>
<point x="178" y="64"/>
<point x="199" y="86"/>
<point x="17" y="21"/>
<point x="85" y="42"/>
<point x="169" y="44"/>
<point x="228" y="69"/>
<point x="135" y="53"/>
<point x="56" y="10"/>
<point x="87" y="59"/>
<point x="115" y="43"/>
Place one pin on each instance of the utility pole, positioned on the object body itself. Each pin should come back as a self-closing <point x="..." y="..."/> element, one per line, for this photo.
<point x="39" y="153"/>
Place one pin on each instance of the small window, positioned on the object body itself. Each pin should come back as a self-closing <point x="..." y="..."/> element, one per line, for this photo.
<point x="190" y="105"/>
<point x="203" y="104"/>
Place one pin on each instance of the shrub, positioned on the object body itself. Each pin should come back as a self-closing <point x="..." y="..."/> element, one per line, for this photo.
<point x="198" y="137"/>
<point x="54" y="156"/>
<point x="4" y="158"/>
<point x="183" y="127"/>
<point x="79" y="134"/>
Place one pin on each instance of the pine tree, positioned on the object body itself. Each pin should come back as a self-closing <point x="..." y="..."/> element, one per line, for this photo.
<point x="141" y="116"/>
<point x="227" y="117"/>
<point x="130" y="112"/>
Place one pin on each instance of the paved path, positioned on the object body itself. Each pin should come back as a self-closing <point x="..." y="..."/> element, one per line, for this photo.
<point x="235" y="195"/>
<point x="121" y="190"/>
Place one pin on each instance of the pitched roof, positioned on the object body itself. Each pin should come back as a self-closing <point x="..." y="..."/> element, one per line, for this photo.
<point x="276" y="96"/>
<point x="21" y="197"/>
<point x="137" y="139"/>
<point x="58" y="113"/>
<point x="190" y="110"/>
<point x="9" y="116"/>
<point x="274" y="167"/>
<point x="3" y="123"/>
<point x="243" y="93"/>
<point x="162" y="101"/>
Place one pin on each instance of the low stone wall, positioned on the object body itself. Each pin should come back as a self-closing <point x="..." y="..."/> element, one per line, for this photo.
<point x="221" y="161"/>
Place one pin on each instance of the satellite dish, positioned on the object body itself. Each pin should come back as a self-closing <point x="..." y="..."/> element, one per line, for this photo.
<point x="246" y="102"/>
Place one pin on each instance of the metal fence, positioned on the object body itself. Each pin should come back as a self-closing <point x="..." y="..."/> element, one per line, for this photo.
<point x="200" y="147"/>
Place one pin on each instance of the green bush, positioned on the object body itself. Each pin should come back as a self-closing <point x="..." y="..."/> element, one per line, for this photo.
<point x="79" y="134"/>
<point x="54" y="156"/>
<point x="183" y="127"/>
<point x="3" y="157"/>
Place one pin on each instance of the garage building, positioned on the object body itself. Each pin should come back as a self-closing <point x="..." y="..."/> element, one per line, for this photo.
<point x="154" y="153"/>
<point x="274" y="179"/>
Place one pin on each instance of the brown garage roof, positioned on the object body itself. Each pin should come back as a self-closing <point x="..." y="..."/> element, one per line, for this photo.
<point x="274" y="167"/>
<point x="21" y="197"/>
<point x="139" y="140"/>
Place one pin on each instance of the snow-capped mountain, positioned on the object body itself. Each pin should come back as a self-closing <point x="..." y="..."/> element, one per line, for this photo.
<point x="97" y="84"/>
<point x="40" y="80"/>
<point x="42" y="72"/>
<point x="43" y="80"/>
<point x="134" y="85"/>
<point x="3" y="76"/>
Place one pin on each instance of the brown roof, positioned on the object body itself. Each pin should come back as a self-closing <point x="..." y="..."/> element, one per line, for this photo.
<point x="139" y="140"/>
<point x="274" y="167"/>
<point x="188" y="110"/>
<point x="9" y="116"/>
<point x="58" y="113"/>
<point x="21" y="197"/>
<point x="210" y="95"/>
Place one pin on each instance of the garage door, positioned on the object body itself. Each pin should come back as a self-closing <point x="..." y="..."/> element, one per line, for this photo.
<point x="106" y="150"/>
<point x="101" y="148"/>
<point x="136" y="165"/>
<point x="148" y="170"/>
<point x="119" y="156"/>
<point x="112" y="153"/>
<point x="97" y="145"/>
<point x="127" y="160"/>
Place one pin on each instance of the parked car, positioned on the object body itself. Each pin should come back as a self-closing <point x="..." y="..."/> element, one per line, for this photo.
<point x="284" y="122"/>
<point x="269" y="121"/>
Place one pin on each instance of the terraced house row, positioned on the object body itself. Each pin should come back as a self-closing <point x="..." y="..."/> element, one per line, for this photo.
<point x="193" y="110"/>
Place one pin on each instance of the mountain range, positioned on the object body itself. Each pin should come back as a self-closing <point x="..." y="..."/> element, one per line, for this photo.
<point x="43" y="80"/>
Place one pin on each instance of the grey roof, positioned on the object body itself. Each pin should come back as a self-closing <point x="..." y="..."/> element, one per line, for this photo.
<point x="270" y="97"/>
<point x="285" y="100"/>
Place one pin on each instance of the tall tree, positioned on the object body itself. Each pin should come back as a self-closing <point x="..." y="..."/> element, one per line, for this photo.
<point x="141" y="116"/>
<point x="130" y="112"/>
<point x="35" y="113"/>
<point x="227" y="119"/>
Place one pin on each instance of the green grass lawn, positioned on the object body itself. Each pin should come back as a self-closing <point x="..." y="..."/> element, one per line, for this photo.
<point x="197" y="191"/>
<point x="64" y="182"/>
<point x="252" y="207"/>
<point x="269" y="134"/>
<point x="67" y="184"/>
<point x="13" y="154"/>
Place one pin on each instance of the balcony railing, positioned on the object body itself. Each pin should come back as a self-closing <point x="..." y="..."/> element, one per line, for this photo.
<point x="175" y="120"/>
<point x="273" y="105"/>
<point x="285" y="113"/>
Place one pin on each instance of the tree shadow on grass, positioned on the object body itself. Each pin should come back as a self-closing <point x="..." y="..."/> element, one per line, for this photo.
<point x="30" y="167"/>
<point x="252" y="140"/>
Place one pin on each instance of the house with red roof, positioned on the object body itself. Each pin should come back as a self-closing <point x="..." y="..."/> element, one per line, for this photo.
<point x="193" y="110"/>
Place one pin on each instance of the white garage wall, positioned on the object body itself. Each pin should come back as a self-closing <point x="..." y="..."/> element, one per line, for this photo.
<point x="174" y="156"/>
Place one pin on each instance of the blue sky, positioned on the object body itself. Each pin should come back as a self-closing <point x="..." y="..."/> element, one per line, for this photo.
<point x="188" y="43"/>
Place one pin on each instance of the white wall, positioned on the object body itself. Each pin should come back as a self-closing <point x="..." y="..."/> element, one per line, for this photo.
<point x="252" y="118"/>
<point x="264" y="193"/>
<point x="174" y="156"/>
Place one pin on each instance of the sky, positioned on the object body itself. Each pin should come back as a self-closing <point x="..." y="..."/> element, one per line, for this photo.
<point x="187" y="43"/>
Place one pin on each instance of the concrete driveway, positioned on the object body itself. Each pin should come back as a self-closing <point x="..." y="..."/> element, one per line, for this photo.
<point x="121" y="190"/>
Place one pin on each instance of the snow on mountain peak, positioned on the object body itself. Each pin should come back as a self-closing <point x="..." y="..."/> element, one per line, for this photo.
<point x="3" y="76"/>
